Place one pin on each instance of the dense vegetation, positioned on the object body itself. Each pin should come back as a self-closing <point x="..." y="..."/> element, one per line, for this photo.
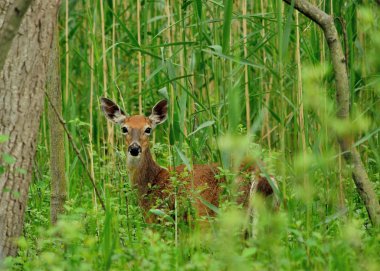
<point x="262" y="85"/>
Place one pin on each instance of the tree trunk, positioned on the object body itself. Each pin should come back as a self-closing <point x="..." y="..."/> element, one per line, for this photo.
<point x="352" y="156"/>
<point x="15" y="11"/>
<point x="57" y="135"/>
<point x="22" y="83"/>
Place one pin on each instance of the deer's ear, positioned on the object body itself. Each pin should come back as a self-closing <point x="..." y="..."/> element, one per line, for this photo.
<point x="112" y="111"/>
<point x="159" y="112"/>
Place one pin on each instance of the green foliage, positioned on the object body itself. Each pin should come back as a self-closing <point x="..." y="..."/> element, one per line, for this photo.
<point x="192" y="53"/>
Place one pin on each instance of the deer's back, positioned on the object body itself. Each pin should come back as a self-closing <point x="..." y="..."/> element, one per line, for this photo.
<point x="203" y="186"/>
<point x="199" y="185"/>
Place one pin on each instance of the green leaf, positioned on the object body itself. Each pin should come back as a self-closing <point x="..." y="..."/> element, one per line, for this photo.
<point x="249" y="252"/>
<point x="288" y="28"/>
<point x="233" y="59"/>
<point x="8" y="159"/>
<point x="202" y="126"/>
<point x="4" y="138"/>
<point x="21" y="171"/>
<point x="198" y="5"/>
<point x="164" y="92"/>
<point x="366" y="138"/>
<point x="228" y="5"/>
<point x="154" y="73"/>
<point x="217" y="48"/>
<point x="78" y="122"/>
<point x="183" y="157"/>
<point x="209" y="205"/>
<point x="132" y="37"/>
<point x="162" y="214"/>
<point x="16" y="194"/>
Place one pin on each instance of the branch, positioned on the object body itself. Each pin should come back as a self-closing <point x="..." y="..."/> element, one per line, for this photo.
<point x="11" y="24"/>
<point x="351" y="155"/>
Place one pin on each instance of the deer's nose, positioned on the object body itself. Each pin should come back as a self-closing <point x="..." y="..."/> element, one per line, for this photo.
<point x="134" y="149"/>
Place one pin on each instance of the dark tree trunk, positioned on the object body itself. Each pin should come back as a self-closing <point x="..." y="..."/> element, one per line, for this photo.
<point x="22" y="83"/>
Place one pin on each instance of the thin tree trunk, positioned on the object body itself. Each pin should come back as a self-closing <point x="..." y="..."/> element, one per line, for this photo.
<point x="352" y="156"/>
<point x="57" y="136"/>
<point x="22" y="83"/>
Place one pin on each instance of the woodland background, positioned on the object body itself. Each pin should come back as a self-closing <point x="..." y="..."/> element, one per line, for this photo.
<point x="264" y="84"/>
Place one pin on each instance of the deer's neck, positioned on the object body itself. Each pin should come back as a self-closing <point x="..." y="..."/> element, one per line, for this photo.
<point x="143" y="170"/>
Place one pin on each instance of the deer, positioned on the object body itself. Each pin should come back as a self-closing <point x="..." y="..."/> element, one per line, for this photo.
<point x="153" y="182"/>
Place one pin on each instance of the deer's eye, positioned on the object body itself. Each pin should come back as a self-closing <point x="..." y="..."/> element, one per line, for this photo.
<point x="148" y="130"/>
<point x="124" y="130"/>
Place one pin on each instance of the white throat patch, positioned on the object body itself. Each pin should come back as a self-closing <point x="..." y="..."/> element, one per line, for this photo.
<point x="133" y="161"/>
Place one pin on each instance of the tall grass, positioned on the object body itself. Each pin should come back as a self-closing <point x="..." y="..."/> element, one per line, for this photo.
<point x="249" y="75"/>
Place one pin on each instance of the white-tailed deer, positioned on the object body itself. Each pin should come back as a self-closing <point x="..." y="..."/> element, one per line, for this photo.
<point x="153" y="182"/>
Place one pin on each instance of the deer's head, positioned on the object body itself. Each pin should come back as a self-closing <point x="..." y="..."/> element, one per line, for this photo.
<point x="136" y="128"/>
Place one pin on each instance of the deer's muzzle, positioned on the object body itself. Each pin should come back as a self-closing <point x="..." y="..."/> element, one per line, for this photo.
<point x="134" y="149"/>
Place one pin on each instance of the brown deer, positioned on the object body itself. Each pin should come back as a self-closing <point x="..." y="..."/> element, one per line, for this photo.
<point x="153" y="182"/>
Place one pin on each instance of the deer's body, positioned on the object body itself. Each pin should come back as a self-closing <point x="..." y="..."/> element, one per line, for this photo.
<point x="153" y="182"/>
<point x="155" y="188"/>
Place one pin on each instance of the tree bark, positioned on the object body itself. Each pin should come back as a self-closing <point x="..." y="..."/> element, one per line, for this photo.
<point x="15" y="11"/>
<point x="350" y="153"/>
<point x="22" y="83"/>
<point x="57" y="136"/>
